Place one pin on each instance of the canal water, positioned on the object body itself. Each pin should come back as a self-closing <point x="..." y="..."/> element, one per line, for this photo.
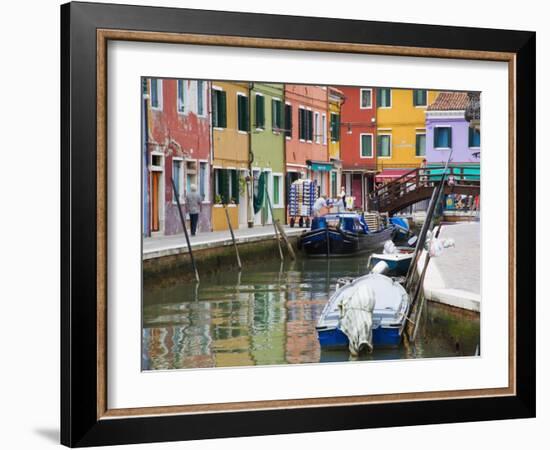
<point x="267" y="313"/>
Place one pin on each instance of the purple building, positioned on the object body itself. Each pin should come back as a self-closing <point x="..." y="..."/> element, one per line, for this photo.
<point x="446" y="128"/>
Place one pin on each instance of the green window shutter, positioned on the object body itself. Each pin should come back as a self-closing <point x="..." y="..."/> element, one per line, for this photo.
<point x="310" y="125"/>
<point x="279" y="111"/>
<point x="301" y="123"/>
<point x="240" y="117"/>
<point x="378" y="97"/>
<point x="273" y="114"/>
<point x="260" y="111"/>
<point x="420" y="145"/>
<point x="222" y="109"/>
<point x="243" y="113"/>
<point x="235" y="185"/>
<point x="224" y="185"/>
<point x="276" y="181"/>
<point x="215" y="108"/>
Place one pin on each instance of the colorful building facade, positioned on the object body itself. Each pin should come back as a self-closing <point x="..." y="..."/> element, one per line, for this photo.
<point x="447" y="129"/>
<point x="178" y="143"/>
<point x="268" y="151"/>
<point x="336" y="99"/>
<point x="358" y="143"/>
<point x="306" y="134"/>
<point x="231" y="148"/>
<point x="401" y="130"/>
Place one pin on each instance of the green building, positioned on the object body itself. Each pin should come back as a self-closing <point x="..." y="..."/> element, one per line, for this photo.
<point x="268" y="151"/>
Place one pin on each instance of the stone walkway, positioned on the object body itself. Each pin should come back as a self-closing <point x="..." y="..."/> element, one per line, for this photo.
<point x="454" y="277"/>
<point x="156" y="247"/>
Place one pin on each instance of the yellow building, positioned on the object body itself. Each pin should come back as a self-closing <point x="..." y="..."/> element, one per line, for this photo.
<point x="230" y="149"/>
<point x="401" y="129"/>
<point x="336" y="99"/>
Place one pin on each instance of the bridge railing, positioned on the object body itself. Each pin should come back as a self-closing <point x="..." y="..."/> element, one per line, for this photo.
<point x="424" y="177"/>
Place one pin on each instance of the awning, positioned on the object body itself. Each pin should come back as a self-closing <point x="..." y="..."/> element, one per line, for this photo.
<point x="391" y="174"/>
<point x="321" y="166"/>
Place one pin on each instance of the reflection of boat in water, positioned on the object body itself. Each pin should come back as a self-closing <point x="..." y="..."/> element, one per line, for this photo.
<point x="342" y="234"/>
<point x="389" y="305"/>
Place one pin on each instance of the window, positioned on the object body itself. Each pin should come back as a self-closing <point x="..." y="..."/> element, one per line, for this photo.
<point x="383" y="147"/>
<point x="316" y="128"/>
<point x="242" y="113"/>
<point x="181" y="96"/>
<point x="474" y="138"/>
<point x="324" y="128"/>
<point x="156" y="93"/>
<point x="227" y="185"/>
<point x="366" y="145"/>
<point x="177" y="176"/>
<point x="277" y="190"/>
<point x="442" y="137"/>
<point x="420" y="144"/>
<point x="383" y="97"/>
<point x="260" y="111"/>
<point x="305" y="124"/>
<point x="219" y="109"/>
<point x="420" y="97"/>
<point x="366" y="98"/>
<point x="288" y="121"/>
<point x="302" y="124"/>
<point x="334" y="127"/>
<point x="203" y="181"/>
<point x="276" y="114"/>
<point x="200" y="98"/>
<point x="190" y="175"/>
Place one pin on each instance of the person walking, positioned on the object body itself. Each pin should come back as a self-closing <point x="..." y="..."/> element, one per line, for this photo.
<point x="193" y="203"/>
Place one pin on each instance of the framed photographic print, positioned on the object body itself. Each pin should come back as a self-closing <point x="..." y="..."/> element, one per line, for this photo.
<point x="278" y="224"/>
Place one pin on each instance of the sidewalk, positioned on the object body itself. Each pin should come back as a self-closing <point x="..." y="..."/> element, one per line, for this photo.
<point x="454" y="277"/>
<point x="156" y="247"/>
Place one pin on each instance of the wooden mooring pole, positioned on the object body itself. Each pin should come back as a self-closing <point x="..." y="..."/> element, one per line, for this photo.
<point x="285" y="238"/>
<point x="185" y="231"/>
<point x="233" y="237"/>
<point x="274" y="225"/>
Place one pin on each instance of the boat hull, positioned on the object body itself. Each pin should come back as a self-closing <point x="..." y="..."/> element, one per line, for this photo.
<point x="334" y="338"/>
<point x="332" y="242"/>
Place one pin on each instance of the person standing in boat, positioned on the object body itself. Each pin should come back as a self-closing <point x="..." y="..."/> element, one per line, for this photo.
<point x="319" y="204"/>
<point x="193" y="204"/>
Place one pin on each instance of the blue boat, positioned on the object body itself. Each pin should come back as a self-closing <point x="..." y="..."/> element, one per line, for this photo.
<point x="342" y="234"/>
<point x="388" y="317"/>
<point x="402" y="230"/>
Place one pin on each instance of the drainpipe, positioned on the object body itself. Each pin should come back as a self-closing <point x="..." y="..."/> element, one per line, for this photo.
<point x="211" y="182"/>
<point x="145" y="170"/>
<point x="250" y="181"/>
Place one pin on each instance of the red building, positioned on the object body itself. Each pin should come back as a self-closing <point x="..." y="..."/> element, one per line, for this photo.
<point x="358" y="143"/>
<point x="179" y="147"/>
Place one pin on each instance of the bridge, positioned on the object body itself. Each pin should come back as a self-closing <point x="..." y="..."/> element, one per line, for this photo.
<point x="418" y="185"/>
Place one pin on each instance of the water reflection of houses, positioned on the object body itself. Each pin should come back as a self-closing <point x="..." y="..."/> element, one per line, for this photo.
<point x="303" y="308"/>
<point x="267" y="329"/>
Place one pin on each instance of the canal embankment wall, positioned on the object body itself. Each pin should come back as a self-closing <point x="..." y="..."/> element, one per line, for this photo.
<point x="454" y="277"/>
<point x="167" y="257"/>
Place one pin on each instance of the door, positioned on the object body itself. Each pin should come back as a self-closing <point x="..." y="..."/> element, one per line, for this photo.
<point x="155" y="188"/>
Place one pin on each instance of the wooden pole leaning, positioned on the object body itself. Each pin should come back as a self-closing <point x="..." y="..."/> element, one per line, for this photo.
<point x="176" y="194"/>
<point x="233" y="237"/>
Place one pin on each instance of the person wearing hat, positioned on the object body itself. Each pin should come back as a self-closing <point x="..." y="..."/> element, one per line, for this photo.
<point x="193" y="203"/>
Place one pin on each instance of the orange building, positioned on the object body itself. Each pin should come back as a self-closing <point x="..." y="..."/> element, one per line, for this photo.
<point x="306" y="116"/>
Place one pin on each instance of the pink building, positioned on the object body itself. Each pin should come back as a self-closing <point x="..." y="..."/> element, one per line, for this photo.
<point x="179" y="148"/>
